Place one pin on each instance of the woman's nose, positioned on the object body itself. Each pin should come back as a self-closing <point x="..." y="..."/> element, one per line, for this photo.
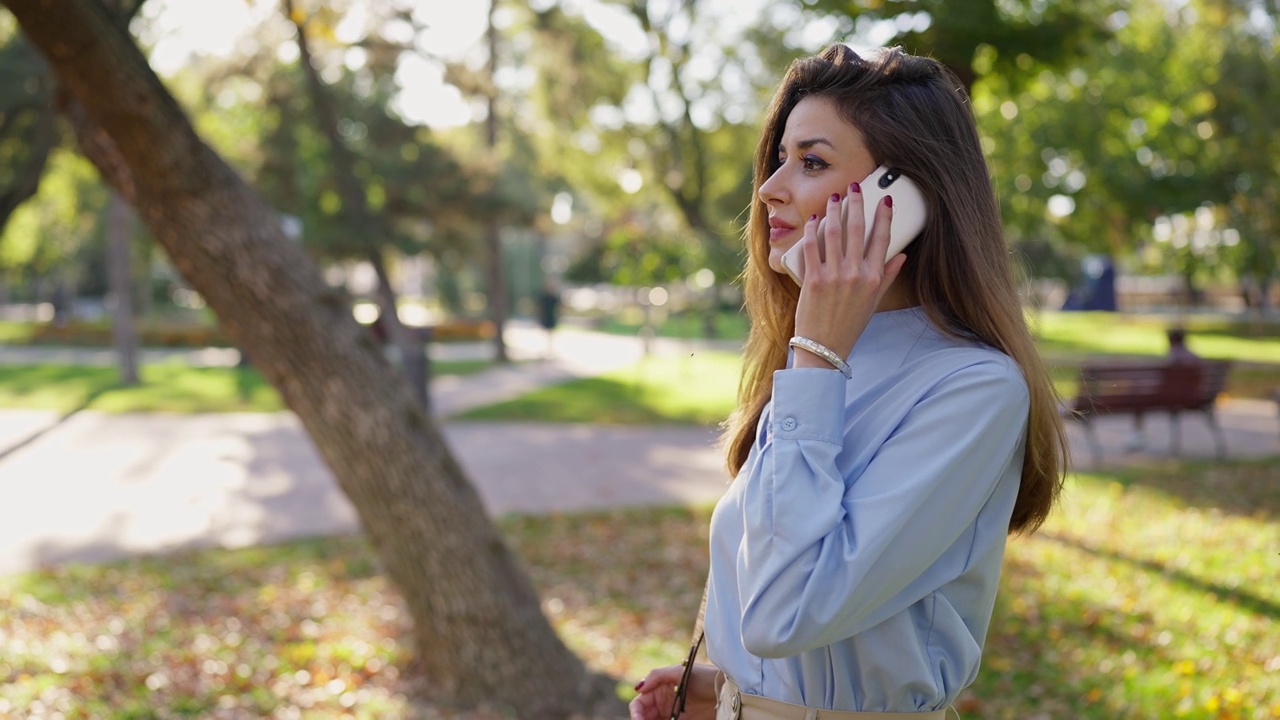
<point x="772" y="190"/>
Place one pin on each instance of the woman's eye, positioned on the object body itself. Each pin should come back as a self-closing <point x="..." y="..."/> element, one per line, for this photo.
<point x="812" y="164"/>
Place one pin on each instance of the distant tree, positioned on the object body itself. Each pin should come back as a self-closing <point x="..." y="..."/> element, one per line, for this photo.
<point x="423" y="199"/>
<point x="1051" y="32"/>
<point x="657" y="136"/>
<point x="1168" y="116"/>
<point x="120" y="232"/>
<point x="355" y="209"/>
<point x="1245" y="129"/>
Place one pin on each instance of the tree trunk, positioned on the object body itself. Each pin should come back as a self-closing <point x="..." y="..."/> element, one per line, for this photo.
<point x="412" y="349"/>
<point x="478" y="630"/>
<point x="119" y="237"/>
<point x="497" y="280"/>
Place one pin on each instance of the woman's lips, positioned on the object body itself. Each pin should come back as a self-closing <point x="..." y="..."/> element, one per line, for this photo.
<point x="777" y="231"/>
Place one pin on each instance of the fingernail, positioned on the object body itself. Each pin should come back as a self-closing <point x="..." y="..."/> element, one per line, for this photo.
<point x="639" y="685"/>
<point x="835" y="197"/>
<point x="855" y="188"/>
<point x="888" y="201"/>
<point x="813" y="217"/>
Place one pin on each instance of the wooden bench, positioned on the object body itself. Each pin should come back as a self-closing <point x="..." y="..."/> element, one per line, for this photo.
<point x="1139" y="388"/>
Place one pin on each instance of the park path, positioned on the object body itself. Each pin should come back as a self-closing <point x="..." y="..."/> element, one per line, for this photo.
<point x="93" y="486"/>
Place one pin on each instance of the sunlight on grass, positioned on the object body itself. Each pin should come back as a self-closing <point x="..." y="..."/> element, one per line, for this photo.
<point x="1149" y="594"/>
<point x="728" y="325"/>
<point x="16" y="333"/>
<point x="218" y="633"/>
<point x="1092" y="333"/>
<point x="166" y="387"/>
<point x="699" y="388"/>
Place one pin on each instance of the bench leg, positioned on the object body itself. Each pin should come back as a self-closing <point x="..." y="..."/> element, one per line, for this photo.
<point x="1219" y="439"/>
<point x="1095" y="448"/>
<point x="1175" y="433"/>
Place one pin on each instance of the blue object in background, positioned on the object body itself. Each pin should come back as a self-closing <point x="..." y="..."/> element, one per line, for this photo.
<point x="1097" y="291"/>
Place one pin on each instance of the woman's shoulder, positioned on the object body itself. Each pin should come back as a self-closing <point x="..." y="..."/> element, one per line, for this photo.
<point x="915" y="352"/>
<point x="943" y="354"/>
<point x="935" y="343"/>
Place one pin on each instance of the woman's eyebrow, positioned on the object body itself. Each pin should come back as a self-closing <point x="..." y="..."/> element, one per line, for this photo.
<point x="806" y="144"/>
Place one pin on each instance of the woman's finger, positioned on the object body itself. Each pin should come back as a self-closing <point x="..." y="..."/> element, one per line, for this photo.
<point x="668" y="675"/>
<point x="809" y="244"/>
<point x="832" y="241"/>
<point x="855" y="224"/>
<point x="878" y="247"/>
<point x="657" y="693"/>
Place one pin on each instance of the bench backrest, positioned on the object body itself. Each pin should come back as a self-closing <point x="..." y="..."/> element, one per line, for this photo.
<point x="1127" y="387"/>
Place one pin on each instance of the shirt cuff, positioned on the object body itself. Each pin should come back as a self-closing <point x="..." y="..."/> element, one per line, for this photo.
<point x="808" y="403"/>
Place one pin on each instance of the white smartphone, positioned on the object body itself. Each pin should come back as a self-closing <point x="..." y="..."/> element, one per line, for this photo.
<point x="909" y="214"/>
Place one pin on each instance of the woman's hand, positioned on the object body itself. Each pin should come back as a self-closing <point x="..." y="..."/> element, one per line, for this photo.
<point x="658" y="691"/>
<point x="845" y="276"/>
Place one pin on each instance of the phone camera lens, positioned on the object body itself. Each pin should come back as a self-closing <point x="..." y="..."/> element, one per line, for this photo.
<point x="887" y="179"/>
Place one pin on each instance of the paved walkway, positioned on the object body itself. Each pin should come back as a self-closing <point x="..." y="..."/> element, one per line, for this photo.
<point x="93" y="487"/>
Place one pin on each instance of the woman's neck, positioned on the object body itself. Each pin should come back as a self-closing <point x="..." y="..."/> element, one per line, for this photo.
<point x="898" y="297"/>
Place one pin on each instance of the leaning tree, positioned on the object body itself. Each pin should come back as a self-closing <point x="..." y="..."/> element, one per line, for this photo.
<point x="478" y="629"/>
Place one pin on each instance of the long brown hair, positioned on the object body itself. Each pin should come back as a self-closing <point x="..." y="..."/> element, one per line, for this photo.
<point x="914" y="115"/>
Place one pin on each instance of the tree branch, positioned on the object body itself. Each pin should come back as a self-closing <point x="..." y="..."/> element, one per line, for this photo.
<point x="42" y="137"/>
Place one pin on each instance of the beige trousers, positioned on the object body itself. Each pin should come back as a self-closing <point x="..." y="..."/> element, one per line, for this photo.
<point x="734" y="705"/>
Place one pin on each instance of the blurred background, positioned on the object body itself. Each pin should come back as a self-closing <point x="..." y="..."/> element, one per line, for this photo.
<point x="604" y="147"/>
<point x="552" y="195"/>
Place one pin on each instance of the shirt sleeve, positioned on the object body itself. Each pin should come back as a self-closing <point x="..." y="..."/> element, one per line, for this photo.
<point x="825" y="557"/>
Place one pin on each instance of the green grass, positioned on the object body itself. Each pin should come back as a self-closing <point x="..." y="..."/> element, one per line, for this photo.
<point x="702" y="388"/>
<point x="1077" y="334"/>
<point x="699" y="388"/>
<point x="686" y="324"/>
<point x="165" y="387"/>
<point x="1059" y="333"/>
<point x="1151" y="593"/>
<point x="16" y="333"/>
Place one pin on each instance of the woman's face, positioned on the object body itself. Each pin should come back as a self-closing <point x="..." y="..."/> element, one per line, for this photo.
<point x="820" y="155"/>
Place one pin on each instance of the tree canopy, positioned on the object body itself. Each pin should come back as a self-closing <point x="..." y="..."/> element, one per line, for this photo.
<point x="1105" y="122"/>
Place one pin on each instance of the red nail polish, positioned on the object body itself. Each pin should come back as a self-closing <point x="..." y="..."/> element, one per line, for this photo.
<point x="888" y="201"/>
<point x="813" y="217"/>
<point x="639" y="685"/>
<point x="855" y="188"/>
<point x="835" y="197"/>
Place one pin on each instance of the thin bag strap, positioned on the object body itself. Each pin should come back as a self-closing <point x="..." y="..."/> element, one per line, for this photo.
<point x="700" y="623"/>
<point x="682" y="690"/>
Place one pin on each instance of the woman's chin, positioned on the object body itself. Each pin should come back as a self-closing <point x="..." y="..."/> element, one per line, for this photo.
<point x="775" y="261"/>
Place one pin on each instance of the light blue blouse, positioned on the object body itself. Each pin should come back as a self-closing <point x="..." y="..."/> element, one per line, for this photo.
<point x="855" y="558"/>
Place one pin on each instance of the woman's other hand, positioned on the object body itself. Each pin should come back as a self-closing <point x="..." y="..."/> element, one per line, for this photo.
<point x="846" y="278"/>
<point x="658" y="691"/>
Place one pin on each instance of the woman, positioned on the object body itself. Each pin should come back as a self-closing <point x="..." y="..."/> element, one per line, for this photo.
<point x="856" y="556"/>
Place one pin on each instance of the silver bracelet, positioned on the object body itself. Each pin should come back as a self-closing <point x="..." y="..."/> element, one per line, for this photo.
<point x="823" y="352"/>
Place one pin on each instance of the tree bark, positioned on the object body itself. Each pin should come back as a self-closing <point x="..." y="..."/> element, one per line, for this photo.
<point x="478" y="629"/>
<point x="119" y="237"/>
